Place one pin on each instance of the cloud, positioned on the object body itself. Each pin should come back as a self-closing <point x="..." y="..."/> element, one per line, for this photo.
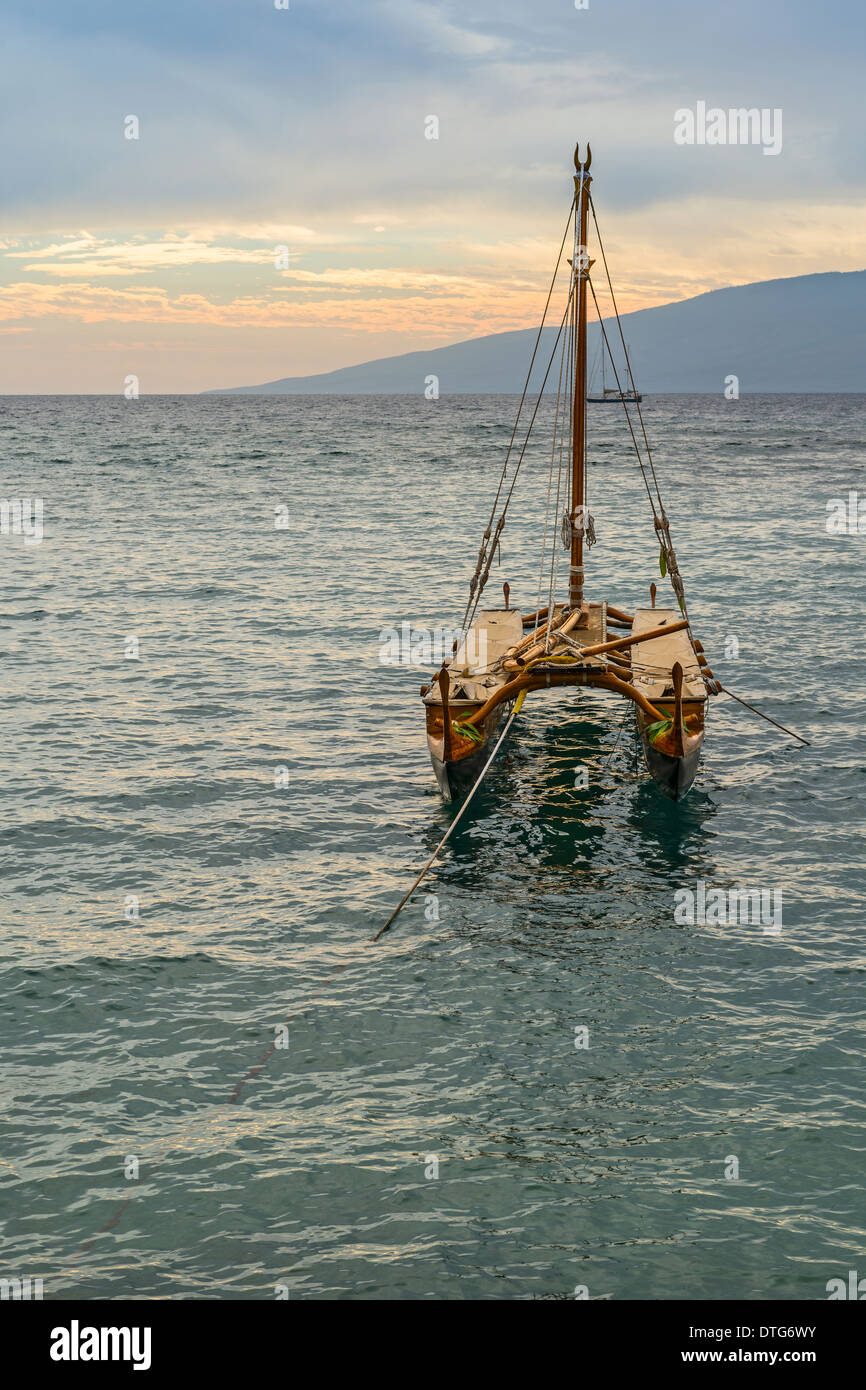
<point x="429" y="24"/>
<point x="304" y="113"/>
<point x="477" y="286"/>
<point x="306" y="128"/>
<point x="455" y="308"/>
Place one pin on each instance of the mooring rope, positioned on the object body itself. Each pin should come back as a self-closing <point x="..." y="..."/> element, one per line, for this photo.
<point x="453" y="826"/>
<point x="764" y="716"/>
<point x="194" y="1124"/>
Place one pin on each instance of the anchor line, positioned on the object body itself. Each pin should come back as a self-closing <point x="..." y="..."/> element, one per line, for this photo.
<point x="765" y="716"/>
<point x="453" y="826"/>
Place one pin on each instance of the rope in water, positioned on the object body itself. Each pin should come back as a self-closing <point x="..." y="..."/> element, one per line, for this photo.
<point x="453" y="826"/>
<point x="765" y="716"/>
<point x="194" y="1124"/>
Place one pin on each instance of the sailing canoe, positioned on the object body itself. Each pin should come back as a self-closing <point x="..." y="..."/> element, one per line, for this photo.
<point x="651" y="658"/>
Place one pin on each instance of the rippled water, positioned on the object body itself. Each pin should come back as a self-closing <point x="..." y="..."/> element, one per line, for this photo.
<point x="258" y="648"/>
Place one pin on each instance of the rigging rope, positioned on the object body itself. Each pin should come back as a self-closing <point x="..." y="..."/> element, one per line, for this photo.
<point x="486" y="537"/>
<point x="661" y="522"/>
<point x="491" y="540"/>
<point x="637" y="451"/>
<point x="625" y="353"/>
<point x="479" y="580"/>
<point x="550" y="489"/>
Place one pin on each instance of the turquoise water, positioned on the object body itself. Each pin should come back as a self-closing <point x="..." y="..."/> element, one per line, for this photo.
<point x="131" y="1037"/>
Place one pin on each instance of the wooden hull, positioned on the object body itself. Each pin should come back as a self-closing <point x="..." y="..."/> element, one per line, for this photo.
<point x="466" y="704"/>
<point x="656" y="665"/>
<point x="674" y="776"/>
<point x="457" y="777"/>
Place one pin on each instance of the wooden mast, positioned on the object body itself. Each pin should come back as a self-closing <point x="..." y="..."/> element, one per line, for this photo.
<point x="581" y="264"/>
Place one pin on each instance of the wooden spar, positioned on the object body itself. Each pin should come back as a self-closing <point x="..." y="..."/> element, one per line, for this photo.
<point x="603" y="680"/>
<point x="530" y="618"/>
<point x="531" y="638"/>
<point x="619" y="615"/>
<point x="677" y="678"/>
<point x="578" y="425"/>
<point x="538" y="649"/>
<point x="613" y="660"/>
<point x="621" y="643"/>
<point x="444" y="684"/>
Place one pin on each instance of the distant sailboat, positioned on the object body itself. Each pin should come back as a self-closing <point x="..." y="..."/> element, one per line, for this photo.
<point x="612" y="393"/>
<point x="650" y="657"/>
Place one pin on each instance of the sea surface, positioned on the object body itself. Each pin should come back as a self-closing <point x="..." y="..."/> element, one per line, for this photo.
<point x="539" y="1083"/>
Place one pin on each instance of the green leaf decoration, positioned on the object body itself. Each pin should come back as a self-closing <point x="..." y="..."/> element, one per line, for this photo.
<point x="661" y="726"/>
<point x="467" y="731"/>
<point x="663" y="563"/>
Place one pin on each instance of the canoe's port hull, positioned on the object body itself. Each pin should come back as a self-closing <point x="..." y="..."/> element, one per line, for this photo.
<point x="457" y="775"/>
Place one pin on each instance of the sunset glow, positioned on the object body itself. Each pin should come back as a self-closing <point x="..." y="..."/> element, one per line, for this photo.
<point x="280" y="211"/>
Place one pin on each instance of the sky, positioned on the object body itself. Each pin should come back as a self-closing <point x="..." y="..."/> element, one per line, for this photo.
<point x="283" y="210"/>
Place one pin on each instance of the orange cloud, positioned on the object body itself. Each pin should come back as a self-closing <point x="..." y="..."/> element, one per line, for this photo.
<point x="446" y="307"/>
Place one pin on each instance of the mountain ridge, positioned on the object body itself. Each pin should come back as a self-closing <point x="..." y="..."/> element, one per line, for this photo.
<point x="802" y="333"/>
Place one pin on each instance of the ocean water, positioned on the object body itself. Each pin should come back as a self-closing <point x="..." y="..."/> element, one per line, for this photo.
<point x="214" y="792"/>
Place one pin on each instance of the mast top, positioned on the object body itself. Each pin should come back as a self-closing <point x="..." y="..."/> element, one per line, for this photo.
<point x="577" y="163"/>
